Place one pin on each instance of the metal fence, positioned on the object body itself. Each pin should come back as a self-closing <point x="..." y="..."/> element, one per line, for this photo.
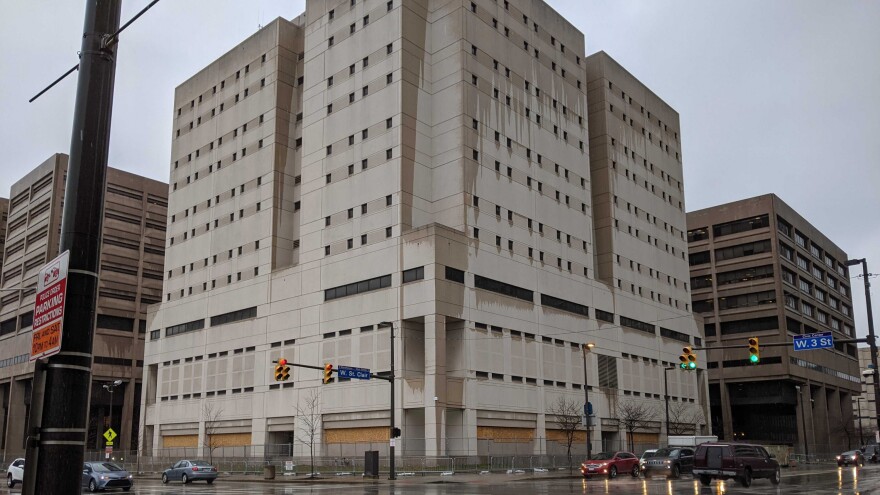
<point x="463" y="456"/>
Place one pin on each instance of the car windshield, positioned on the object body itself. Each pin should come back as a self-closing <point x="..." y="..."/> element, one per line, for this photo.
<point x="105" y="467"/>
<point x="200" y="463"/>
<point x="851" y="452"/>
<point x="648" y="453"/>
<point x="666" y="453"/>
<point x="602" y="456"/>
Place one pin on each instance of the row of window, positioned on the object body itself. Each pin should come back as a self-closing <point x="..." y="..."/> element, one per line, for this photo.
<point x="806" y="265"/>
<point x="560" y="236"/>
<point x="539" y="32"/>
<point x="236" y="77"/>
<point x="349" y="243"/>
<point x="389" y="6"/>
<point x="630" y="154"/>
<point x="655" y="296"/>
<point x="645" y="132"/>
<point x="192" y="326"/>
<point x="229" y="254"/>
<point x="557" y="169"/>
<point x="530" y="251"/>
<point x="527" y="87"/>
<point x="804" y="243"/>
<point x="219" y="164"/>
<point x="627" y="99"/>
<point x="508" y="100"/>
<point x="219" y="109"/>
<point x="239" y="276"/>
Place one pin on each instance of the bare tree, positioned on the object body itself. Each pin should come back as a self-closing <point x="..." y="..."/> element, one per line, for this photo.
<point x="567" y="414"/>
<point x="842" y="427"/>
<point x="308" y="414"/>
<point x="634" y="416"/>
<point x="683" y="420"/>
<point x="210" y="413"/>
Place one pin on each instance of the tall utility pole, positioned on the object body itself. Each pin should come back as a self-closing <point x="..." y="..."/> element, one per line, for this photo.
<point x="803" y="423"/>
<point x="584" y="348"/>
<point x="872" y="340"/>
<point x="61" y="437"/>
<point x="392" y="473"/>
<point x="666" y="397"/>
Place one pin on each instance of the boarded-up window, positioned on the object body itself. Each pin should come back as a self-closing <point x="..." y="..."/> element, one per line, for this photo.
<point x="607" y="371"/>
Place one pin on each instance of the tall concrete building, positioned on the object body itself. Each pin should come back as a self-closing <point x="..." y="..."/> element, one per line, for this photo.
<point x="759" y="269"/>
<point x="4" y="210"/>
<point x="130" y="278"/>
<point x="426" y="164"/>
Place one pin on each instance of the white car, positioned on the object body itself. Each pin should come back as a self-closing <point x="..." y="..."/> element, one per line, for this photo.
<point x="15" y="472"/>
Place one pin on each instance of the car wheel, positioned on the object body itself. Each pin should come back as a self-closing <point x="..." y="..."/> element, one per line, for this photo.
<point x="612" y="473"/>
<point x="210" y="481"/>
<point x="9" y="481"/>
<point x="746" y="479"/>
<point x="776" y="478"/>
<point x="676" y="472"/>
<point x="705" y="480"/>
<point x="164" y="479"/>
<point x="93" y="487"/>
<point x="184" y="478"/>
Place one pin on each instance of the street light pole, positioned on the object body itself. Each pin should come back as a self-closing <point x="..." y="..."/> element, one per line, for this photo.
<point x="110" y="387"/>
<point x="872" y="342"/>
<point x="666" y="397"/>
<point x="861" y="433"/>
<point x="392" y="473"/>
<point x="803" y="423"/>
<point x="587" y="347"/>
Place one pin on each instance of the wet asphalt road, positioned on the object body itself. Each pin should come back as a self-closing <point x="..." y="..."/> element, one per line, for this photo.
<point x="830" y="481"/>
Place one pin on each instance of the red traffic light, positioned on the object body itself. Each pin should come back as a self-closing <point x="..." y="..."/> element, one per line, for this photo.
<point x="282" y="362"/>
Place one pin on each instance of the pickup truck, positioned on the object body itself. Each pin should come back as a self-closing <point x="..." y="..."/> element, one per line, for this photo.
<point x="739" y="461"/>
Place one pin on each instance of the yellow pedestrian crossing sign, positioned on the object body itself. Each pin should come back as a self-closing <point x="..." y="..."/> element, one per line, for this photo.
<point x="110" y="435"/>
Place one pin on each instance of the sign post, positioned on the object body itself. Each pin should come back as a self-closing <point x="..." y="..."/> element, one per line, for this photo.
<point x="49" y="307"/>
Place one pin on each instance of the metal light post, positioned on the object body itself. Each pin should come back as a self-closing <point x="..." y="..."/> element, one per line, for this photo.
<point x="803" y="423"/>
<point x="109" y="387"/>
<point x="666" y="397"/>
<point x="872" y="342"/>
<point x="586" y="348"/>
<point x="861" y="434"/>
<point x="392" y="474"/>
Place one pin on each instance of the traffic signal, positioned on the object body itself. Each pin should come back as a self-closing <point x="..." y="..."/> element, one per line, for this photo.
<point x="282" y="370"/>
<point x="395" y="432"/>
<point x="688" y="359"/>
<point x="754" y="351"/>
<point x="328" y="372"/>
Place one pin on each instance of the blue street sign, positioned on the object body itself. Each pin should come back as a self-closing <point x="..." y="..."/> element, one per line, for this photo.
<point x="357" y="373"/>
<point x="812" y="341"/>
<point x="588" y="408"/>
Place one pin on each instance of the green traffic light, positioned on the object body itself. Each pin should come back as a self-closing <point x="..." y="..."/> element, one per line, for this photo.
<point x="682" y="366"/>
<point x="692" y="366"/>
<point x="753" y="358"/>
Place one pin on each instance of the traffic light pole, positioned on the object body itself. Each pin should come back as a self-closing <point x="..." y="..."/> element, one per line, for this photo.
<point x="779" y="344"/>
<point x="666" y="397"/>
<point x="872" y="339"/>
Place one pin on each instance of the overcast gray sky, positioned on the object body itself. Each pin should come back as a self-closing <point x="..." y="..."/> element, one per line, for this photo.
<point x="780" y="96"/>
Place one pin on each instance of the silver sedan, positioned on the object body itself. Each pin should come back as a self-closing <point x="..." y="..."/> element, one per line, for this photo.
<point x="187" y="471"/>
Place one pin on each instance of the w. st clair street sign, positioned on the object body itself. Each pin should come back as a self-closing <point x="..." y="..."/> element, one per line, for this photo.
<point x="49" y="307"/>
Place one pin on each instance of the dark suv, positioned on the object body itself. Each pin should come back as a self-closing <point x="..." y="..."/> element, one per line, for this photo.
<point x="872" y="453"/>
<point x="739" y="461"/>
<point x="669" y="462"/>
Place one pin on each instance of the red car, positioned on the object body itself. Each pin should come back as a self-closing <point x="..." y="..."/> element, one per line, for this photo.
<point x="611" y="464"/>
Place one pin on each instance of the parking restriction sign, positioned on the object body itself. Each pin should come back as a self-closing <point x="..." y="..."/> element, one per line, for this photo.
<point x="49" y="307"/>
